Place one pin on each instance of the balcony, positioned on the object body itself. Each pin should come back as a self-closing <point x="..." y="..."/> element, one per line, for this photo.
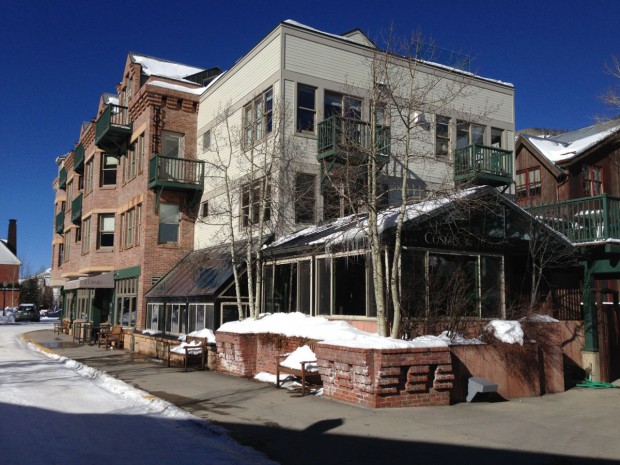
<point x="59" y="226"/>
<point x="62" y="178"/>
<point x="113" y="130"/>
<point x="343" y="139"/>
<point x="78" y="159"/>
<point x="588" y="219"/>
<point x="482" y="165"/>
<point x="76" y="210"/>
<point x="176" y="173"/>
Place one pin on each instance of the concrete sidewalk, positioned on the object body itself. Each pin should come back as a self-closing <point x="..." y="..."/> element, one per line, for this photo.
<point x="576" y="427"/>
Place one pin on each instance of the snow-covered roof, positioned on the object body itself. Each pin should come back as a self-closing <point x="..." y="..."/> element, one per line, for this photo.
<point x="6" y="256"/>
<point x="152" y="66"/>
<point x="168" y="85"/>
<point x="566" y="146"/>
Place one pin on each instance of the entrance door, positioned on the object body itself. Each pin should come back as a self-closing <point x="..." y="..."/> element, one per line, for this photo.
<point x="609" y="334"/>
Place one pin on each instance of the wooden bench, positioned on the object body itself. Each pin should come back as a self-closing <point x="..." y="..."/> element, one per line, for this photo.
<point x="307" y="375"/>
<point x="198" y="351"/>
<point x="477" y="384"/>
<point x="114" y="335"/>
<point x="62" y="327"/>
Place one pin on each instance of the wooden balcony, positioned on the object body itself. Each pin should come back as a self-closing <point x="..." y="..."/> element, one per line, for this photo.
<point x="78" y="159"/>
<point x="176" y="173"/>
<point x="62" y="178"/>
<point x="113" y="130"/>
<point x="482" y="165"/>
<point x="584" y="220"/>
<point x="76" y="210"/>
<point x="343" y="139"/>
<point x="59" y="225"/>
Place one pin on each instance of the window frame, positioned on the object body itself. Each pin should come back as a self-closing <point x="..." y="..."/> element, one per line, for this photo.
<point x="107" y="232"/>
<point x="347" y="110"/>
<point x="175" y="219"/>
<point x="593" y="180"/>
<point x="250" y="202"/>
<point x="258" y="118"/>
<point x="442" y="121"/>
<point x="305" y="198"/>
<point x="525" y="187"/>
<point x="301" y="109"/>
<point x="105" y="170"/>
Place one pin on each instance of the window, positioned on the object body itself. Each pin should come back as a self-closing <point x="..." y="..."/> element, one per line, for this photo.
<point x="126" y="291"/>
<point x="106" y="231"/>
<point x="127" y="91"/>
<point x="592" y="180"/>
<point x="528" y="183"/>
<point x="253" y="195"/>
<point x="306" y="108"/>
<point x="258" y="118"/>
<point x="67" y="246"/>
<point x="109" y="164"/>
<point x="86" y="235"/>
<point x="61" y="254"/>
<point x="336" y="104"/>
<point x="197" y="316"/>
<point x="69" y="195"/>
<point x="89" y="175"/>
<point x="130" y="227"/>
<point x="173" y="144"/>
<point x="497" y="138"/>
<point x="304" y="198"/>
<point x="204" y="209"/>
<point x="469" y="134"/>
<point x="442" y="135"/>
<point x="206" y="141"/>
<point x="168" y="223"/>
<point x="152" y="316"/>
<point x="140" y="154"/>
<point x="78" y="234"/>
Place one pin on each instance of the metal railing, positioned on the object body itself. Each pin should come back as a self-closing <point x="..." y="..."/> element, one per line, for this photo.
<point x="112" y="116"/>
<point x="176" y="172"/>
<point x="587" y="219"/>
<point x="60" y="223"/>
<point x="350" y="136"/>
<point x="76" y="210"/>
<point x="481" y="160"/>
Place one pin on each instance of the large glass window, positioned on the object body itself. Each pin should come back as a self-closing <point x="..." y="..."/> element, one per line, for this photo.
<point x="592" y="180"/>
<point x="349" y="286"/>
<point x="168" y="223"/>
<point x="306" y="108"/>
<point x="527" y="183"/>
<point x="106" y="231"/>
<point x="336" y="104"/>
<point x="497" y="138"/>
<point x="469" y="134"/>
<point x="126" y="291"/>
<point x="323" y="286"/>
<point x="442" y="135"/>
<point x="109" y="165"/>
<point x="172" y="144"/>
<point x="258" y="118"/>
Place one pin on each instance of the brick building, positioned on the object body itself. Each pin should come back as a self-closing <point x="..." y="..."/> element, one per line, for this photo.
<point x="126" y="195"/>
<point x="9" y="268"/>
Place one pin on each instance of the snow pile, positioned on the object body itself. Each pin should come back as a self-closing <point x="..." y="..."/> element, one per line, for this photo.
<point x="338" y="333"/>
<point x="458" y="339"/>
<point x="7" y="320"/>
<point x="538" y="318"/>
<point x="180" y="349"/>
<point x="158" y="67"/>
<point x="301" y="354"/>
<point x="205" y="333"/>
<point x="151" y="332"/>
<point x="508" y="331"/>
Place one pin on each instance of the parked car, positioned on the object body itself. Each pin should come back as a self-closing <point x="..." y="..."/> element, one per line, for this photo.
<point x="27" y="312"/>
<point x="54" y="313"/>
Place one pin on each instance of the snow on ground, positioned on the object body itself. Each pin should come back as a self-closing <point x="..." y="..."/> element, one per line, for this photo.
<point x="508" y="331"/>
<point x="72" y="413"/>
<point x="338" y="333"/>
<point x="458" y="339"/>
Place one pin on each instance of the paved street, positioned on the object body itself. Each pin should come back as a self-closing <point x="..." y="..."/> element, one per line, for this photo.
<point x="579" y="426"/>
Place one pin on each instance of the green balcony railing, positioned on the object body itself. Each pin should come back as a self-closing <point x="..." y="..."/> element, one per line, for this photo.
<point x="62" y="178"/>
<point x="588" y="219"/>
<point x="176" y="173"/>
<point x="76" y="210"/>
<point x="479" y="164"/>
<point x="78" y="159"/>
<point x="59" y="226"/>
<point x="113" y="129"/>
<point x="350" y="139"/>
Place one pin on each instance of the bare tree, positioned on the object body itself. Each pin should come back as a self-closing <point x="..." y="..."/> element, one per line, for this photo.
<point x="612" y="96"/>
<point x="246" y="162"/>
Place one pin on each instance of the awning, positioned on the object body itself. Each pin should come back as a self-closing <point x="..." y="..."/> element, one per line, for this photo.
<point x="101" y="281"/>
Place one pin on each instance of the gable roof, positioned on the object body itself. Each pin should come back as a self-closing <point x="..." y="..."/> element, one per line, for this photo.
<point x="353" y="230"/>
<point x="6" y="256"/>
<point x="569" y="146"/>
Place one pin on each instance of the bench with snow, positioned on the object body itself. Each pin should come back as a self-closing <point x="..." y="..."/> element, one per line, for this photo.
<point x="193" y="347"/>
<point x="300" y="363"/>
<point x="477" y="384"/>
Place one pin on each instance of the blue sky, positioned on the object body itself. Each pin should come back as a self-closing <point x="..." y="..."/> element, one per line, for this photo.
<point x="57" y="57"/>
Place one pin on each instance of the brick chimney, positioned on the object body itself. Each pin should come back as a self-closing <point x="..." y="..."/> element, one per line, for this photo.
<point x="11" y="241"/>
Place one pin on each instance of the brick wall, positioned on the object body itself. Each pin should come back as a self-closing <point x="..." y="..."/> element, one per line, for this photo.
<point x="370" y="377"/>
<point x="386" y="377"/>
